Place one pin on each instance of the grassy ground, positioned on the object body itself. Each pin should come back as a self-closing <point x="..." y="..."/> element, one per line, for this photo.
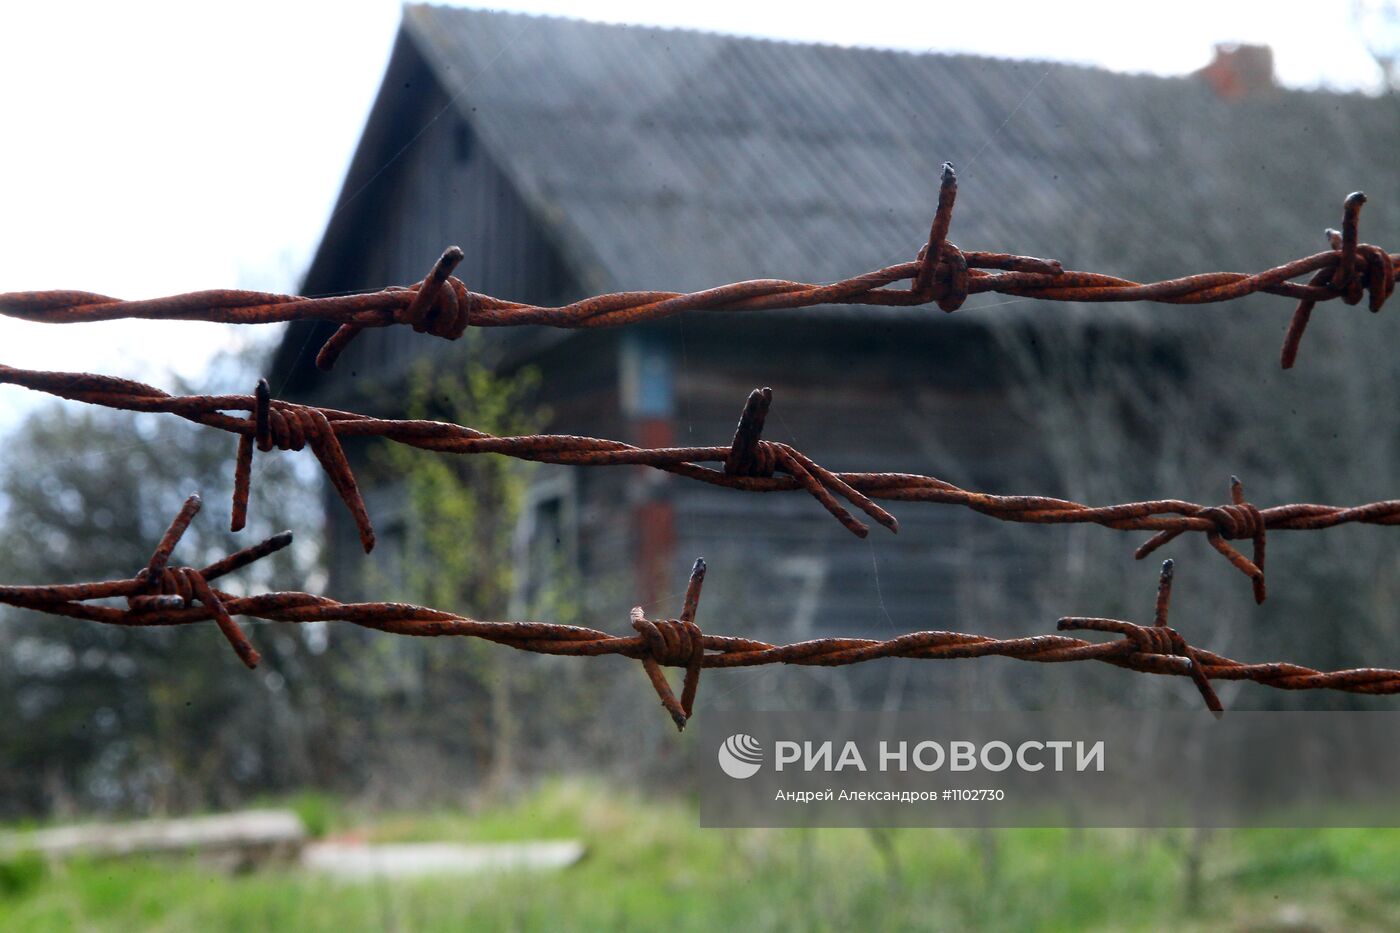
<point x="650" y="867"/>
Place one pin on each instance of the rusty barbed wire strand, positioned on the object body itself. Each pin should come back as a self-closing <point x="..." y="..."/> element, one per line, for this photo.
<point x="160" y="595"/>
<point x="941" y="274"/>
<point x="749" y="463"/>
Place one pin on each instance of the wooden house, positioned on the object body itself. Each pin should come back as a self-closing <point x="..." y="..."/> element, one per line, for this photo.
<point x="570" y="158"/>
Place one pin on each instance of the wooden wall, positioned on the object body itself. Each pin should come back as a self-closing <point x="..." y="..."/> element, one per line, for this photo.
<point x="851" y="392"/>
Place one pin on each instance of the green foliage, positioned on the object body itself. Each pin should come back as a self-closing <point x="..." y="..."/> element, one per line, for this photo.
<point x="21" y="873"/>
<point x="319" y="812"/>
<point x="463" y="510"/>
<point x="453" y="549"/>
<point x="649" y="866"/>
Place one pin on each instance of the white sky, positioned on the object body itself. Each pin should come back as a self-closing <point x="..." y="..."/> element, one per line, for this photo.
<point x="151" y="148"/>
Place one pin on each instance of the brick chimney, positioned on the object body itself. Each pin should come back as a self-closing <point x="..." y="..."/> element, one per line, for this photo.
<point x="1239" y="70"/>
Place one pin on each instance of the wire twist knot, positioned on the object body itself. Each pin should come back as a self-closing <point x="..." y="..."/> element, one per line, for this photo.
<point x="1157" y="639"/>
<point x="943" y="275"/>
<point x="1161" y="639"/>
<point x="948" y="282"/>
<point x="675" y="643"/>
<point x="169" y="587"/>
<point x="670" y="642"/>
<point x="291" y="427"/>
<point x="751" y="456"/>
<point x="762" y="460"/>
<point x="173" y="588"/>
<point x="1235" y="521"/>
<point x="287" y="426"/>
<point x="1360" y="268"/>
<point x="439" y="307"/>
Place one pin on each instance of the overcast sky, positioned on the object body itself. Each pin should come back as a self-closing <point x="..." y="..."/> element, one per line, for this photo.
<point x="151" y="148"/>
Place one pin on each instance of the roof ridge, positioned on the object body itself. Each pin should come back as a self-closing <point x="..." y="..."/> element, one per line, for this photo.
<point x="842" y="48"/>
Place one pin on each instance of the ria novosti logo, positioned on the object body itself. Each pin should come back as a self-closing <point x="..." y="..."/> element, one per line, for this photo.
<point x="740" y="756"/>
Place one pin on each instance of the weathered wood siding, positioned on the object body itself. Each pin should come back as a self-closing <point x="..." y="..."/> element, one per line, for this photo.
<point x="443" y="188"/>
<point x="853" y="397"/>
<point x="852" y="394"/>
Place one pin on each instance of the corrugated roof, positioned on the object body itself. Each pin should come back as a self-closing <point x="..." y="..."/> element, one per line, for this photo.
<point x="676" y="159"/>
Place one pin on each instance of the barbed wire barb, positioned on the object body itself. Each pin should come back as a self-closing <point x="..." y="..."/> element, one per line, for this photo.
<point x="748" y="463"/>
<point x="941" y="274"/>
<point x="1155" y="639"/>
<point x="183" y="596"/>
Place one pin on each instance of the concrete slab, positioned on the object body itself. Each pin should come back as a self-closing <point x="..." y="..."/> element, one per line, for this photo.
<point x="351" y="861"/>
<point x="247" y="831"/>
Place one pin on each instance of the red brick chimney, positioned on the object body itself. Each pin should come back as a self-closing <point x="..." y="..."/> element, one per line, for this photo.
<point x="1239" y="70"/>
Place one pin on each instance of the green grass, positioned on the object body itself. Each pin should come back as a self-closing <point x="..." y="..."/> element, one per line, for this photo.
<point x="650" y="867"/>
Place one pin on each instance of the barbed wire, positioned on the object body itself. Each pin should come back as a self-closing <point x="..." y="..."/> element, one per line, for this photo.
<point x="941" y="274"/>
<point x="161" y="595"/>
<point x="749" y="463"/>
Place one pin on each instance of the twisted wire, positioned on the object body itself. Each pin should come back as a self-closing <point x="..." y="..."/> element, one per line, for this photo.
<point x="748" y="463"/>
<point x="941" y="274"/>
<point x="657" y="643"/>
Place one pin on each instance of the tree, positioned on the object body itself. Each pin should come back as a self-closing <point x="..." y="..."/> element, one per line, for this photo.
<point x="456" y="552"/>
<point x="1378" y="22"/>
<point x="144" y="719"/>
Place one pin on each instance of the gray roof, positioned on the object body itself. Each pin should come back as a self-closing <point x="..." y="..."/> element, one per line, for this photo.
<point x="678" y="159"/>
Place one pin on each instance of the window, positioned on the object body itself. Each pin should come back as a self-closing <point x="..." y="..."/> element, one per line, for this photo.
<point x="546" y="544"/>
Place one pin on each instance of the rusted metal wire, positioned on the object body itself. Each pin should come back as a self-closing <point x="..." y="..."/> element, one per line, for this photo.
<point x="749" y="463"/>
<point x="160" y="595"/>
<point x="942" y="274"/>
<point x="158" y="588"/>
